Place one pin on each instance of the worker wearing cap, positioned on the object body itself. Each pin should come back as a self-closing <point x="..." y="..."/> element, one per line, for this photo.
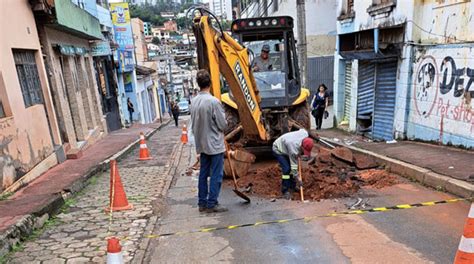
<point x="287" y="149"/>
<point x="262" y="62"/>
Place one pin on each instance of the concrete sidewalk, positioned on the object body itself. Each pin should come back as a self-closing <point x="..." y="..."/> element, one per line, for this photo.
<point x="32" y="205"/>
<point x="440" y="167"/>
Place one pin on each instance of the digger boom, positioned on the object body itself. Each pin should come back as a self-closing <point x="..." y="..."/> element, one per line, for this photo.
<point x="220" y="54"/>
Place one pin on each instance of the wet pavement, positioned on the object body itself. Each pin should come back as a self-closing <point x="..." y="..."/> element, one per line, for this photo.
<point x="420" y="235"/>
<point x="445" y="160"/>
<point x="78" y="234"/>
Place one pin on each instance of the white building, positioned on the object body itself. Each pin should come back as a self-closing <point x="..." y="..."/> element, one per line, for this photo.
<point x="404" y="70"/>
<point x="221" y="8"/>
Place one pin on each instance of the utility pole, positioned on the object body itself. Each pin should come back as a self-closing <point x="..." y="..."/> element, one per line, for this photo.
<point x="302" y="48"/>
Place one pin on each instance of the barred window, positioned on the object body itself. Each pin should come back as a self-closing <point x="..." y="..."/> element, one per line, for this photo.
<point x="2" y="112"/>
<point x="2" y="92"/>
<point x="28" y="76"/>
<point x="350" y="6"/>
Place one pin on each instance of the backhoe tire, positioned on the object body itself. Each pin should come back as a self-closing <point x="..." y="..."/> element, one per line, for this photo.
<point x="232" y="118"/>
<point x="300" y="113"/>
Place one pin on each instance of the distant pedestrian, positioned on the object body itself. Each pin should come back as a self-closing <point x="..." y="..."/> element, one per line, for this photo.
<point x="169" y="109"/>
<point x="208" y="123"/>
<point x="175" y="112"/>
<point x="131" y="109"/>
<point x="319" y="105"/>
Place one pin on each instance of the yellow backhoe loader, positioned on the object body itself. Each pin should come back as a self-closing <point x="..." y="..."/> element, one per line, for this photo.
<point x="260" y="106"/>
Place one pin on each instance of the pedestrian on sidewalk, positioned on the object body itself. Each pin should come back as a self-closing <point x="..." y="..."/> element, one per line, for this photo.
<point x="208" y="123"/>
<point x="175" y="112"/>
<point x="287" y="149"/>
<point x="319" y="104"/>
<point x="131" y="109"/>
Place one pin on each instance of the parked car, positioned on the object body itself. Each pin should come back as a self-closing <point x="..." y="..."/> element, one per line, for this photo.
<point x="183" y="107"/>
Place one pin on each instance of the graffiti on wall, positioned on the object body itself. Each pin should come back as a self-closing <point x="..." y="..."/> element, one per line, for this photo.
<point x="443" y="88"/>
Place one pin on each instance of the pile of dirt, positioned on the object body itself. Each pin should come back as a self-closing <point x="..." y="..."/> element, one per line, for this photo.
<point x="377" y="178"/>
<point x="329" y="176"/>
<point x="264" y="179"/>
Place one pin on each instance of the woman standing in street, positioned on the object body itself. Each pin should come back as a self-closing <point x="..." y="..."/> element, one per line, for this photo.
<point x="131" y="109"/>
<point x="175" y="112"/>
<point x="319" y="104"/>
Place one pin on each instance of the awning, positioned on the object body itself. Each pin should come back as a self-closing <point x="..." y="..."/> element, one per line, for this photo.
<point x="142" y="70"/>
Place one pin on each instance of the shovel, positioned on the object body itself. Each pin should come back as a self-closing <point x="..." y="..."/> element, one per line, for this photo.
<point x="300" y="174"/>
<point x="236" y="187"/>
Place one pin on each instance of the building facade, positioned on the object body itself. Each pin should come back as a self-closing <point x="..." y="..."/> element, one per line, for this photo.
<point x="125" y="56"/>
<point x="30" y="140"/>
<point x="65" y="36"/>
<point x="138" y="30"/>
<point x="105" y="70"/>
<point x="403" y="70"/>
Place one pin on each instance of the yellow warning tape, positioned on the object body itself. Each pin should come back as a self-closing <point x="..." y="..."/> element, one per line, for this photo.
<point x="309" y="218"/>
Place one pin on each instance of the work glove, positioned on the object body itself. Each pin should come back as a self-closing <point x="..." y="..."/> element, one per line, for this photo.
<point x="298" y="181"/>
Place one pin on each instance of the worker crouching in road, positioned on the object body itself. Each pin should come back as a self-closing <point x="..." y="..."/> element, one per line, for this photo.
<point x="286" y="150"/>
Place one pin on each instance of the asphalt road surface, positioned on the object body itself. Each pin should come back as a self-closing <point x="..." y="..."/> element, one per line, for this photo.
<point x="419" y="235"/>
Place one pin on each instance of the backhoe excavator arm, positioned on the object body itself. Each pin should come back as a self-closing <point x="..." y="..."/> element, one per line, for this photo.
<point x="220" y="54"/>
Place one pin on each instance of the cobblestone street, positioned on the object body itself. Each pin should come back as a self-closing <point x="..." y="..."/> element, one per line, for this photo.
<point x="78" y="234"/>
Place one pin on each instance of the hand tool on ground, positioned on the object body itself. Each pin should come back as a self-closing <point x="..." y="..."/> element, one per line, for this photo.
<point x="236" y="187"/>
<point x="300" y="174"/>
<point x="196" y="165"/>
<point x="326" y="143"/>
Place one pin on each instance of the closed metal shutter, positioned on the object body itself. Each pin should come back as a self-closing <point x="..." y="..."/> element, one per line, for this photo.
<point x="385" y="95"/>
<point x="321" y="70"/>
<point x="347" y="90"/>
<point x="365" y="93"/>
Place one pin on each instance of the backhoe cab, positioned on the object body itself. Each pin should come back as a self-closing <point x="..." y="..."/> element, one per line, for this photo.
<point x="264" y="98"/>
<point x="282" y="98"/>
<point x="279" y="83"/>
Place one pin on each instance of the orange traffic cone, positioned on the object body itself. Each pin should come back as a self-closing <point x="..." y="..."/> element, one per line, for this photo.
<point x="114" y="251"/>
<point x="118" y="198"/>
<point x="144" y="153"/>
<point x="465" y="252"/>
<point x="184" y="135"/>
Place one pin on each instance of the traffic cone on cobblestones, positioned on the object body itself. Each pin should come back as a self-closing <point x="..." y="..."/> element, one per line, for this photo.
<point x="465" y="252"/>
<point x="144" y="153"/>
<point x="118" y="198"/>
<point x="184" y="135"/>
<point x="114" y="251"/>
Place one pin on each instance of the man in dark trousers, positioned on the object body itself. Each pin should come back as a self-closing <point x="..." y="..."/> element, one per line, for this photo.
<point x="208" y="123"/>
<point x="287" y="149"/>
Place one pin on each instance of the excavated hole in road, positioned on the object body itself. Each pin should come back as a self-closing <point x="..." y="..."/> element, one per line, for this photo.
<point x="335" y="173"/>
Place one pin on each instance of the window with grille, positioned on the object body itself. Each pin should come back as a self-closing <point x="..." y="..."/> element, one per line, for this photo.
<point x="2" y="112"/>
<point x="2" y="90"/>
<point x="350" y="6"/>
<point x="28" y="76"/>
<point x="380" y="2"/>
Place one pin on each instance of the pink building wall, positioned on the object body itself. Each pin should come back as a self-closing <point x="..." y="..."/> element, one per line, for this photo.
<point x="25" y="138"/>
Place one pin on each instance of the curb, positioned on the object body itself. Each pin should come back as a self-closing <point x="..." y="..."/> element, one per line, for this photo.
<point x="141" y="254"/>
<point x="28" y="223"/>
<point x="422" y="175"/>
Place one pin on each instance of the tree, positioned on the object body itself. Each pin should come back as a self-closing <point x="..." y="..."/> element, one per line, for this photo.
<point x="156" y="41"/>
<point x="151" y="13"/>
<point x="183" y="23"/>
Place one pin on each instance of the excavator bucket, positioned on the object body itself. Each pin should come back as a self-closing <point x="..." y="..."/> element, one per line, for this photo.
<point x="242" y="160"/>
